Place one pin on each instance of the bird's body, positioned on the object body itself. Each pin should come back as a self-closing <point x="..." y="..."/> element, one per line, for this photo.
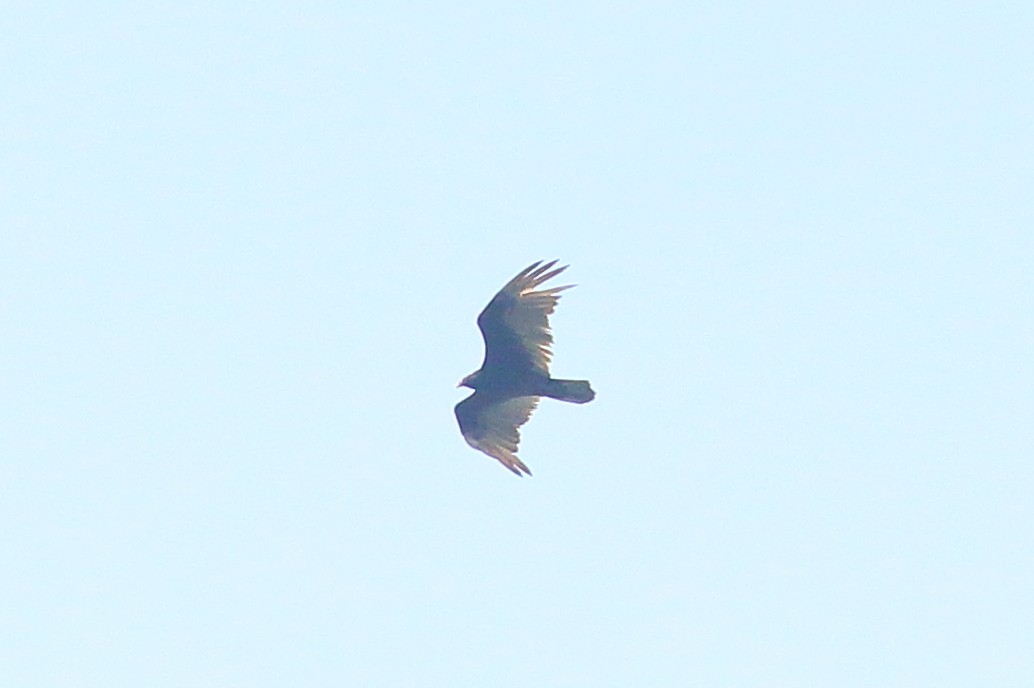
<point x="515" y="372"/>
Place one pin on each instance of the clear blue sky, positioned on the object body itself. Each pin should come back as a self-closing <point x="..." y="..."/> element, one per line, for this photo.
<point x="241" y="253"/>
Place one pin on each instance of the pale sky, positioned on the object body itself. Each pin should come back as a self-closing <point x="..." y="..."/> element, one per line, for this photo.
<point x="242" y="253"/>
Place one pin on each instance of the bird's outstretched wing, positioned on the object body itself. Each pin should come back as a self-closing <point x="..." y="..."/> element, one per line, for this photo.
<point x="491" y="426"/>
<point x="515" y="323"/>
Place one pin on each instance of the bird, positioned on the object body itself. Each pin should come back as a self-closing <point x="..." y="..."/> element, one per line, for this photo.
<point x="515" y="372"/>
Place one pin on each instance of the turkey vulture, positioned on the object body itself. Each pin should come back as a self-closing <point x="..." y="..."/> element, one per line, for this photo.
<point x="515" y="372"/>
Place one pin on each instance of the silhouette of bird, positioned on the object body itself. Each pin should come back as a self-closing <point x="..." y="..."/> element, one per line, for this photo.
<point x="515" y="372"/>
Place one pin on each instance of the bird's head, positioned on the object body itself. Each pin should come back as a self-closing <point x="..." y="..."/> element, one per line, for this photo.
<point x="470" y="380"/>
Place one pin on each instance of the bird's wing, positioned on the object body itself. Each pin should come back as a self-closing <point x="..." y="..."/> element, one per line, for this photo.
<point x="491" y="426"/>
<point x="515" y="324"/>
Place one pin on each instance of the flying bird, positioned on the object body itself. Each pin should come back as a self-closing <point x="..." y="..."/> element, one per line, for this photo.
<point x="515" y="372"/>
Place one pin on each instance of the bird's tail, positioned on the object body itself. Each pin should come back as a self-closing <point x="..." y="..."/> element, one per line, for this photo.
<point x="575" y="391"/>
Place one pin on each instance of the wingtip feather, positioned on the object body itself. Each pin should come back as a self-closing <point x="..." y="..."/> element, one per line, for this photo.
<point x="539" y="271"/>
<point x="515" y="465"/>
